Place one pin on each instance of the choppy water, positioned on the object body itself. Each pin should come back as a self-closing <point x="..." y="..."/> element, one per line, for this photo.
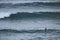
<point x="29" y="15"/>
<point x="29" y="36"/>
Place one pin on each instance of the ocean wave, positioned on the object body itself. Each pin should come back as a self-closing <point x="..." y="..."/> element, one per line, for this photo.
<point x="27" y="15"/>
<point x="24" y="1"/>
<point x="38" y="4"/>
<point x="29" y="31"/>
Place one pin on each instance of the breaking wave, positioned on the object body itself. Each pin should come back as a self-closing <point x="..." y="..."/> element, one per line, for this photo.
<point x="27" y="15"/>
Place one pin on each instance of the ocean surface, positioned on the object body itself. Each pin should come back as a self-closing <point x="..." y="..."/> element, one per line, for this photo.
<point x="17" y="15"/>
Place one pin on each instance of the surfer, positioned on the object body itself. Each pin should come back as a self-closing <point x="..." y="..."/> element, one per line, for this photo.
<point x="45" y="30"/>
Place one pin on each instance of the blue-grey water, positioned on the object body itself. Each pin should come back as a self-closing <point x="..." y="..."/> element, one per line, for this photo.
<point x="29" y="36"/>
<point x="17" y="15"/>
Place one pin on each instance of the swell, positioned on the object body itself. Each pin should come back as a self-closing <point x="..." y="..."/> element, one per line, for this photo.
<point x="38" y="4"/>
<point x="27" y="15"/>
<point x="29" y="31"/>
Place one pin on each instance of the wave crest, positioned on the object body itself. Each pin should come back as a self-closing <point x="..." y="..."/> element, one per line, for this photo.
<point x="27" y="15"/>
<point x="3" y="5"/>
<point x="29" y="31"/>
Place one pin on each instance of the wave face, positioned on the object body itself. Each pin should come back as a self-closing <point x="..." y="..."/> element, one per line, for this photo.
<point x="34" y="20"/>
<point x="27" y="15"/>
